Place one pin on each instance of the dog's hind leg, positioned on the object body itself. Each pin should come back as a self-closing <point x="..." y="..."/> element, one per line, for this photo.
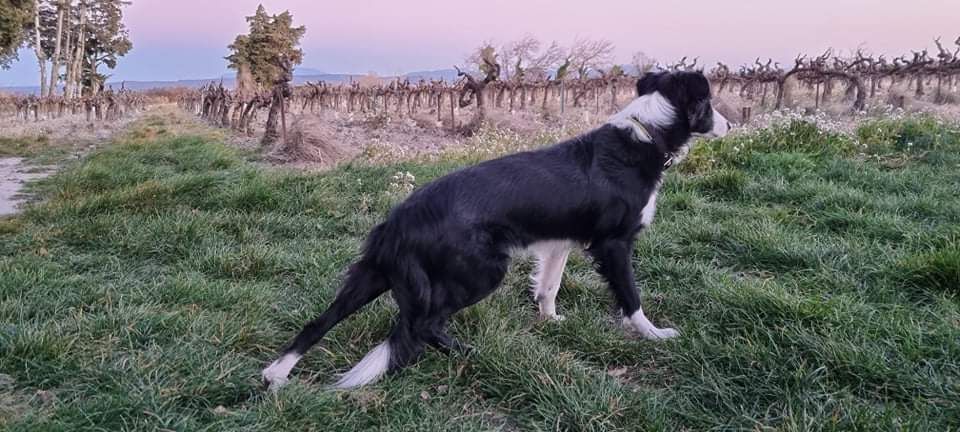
<point x="424" y="311"/>
<point x="439" y="338"/>
<point x="363" y="284"/>
<point x="406" y="341"/>
<point x="551" y="259"/>
<point x="461" y="291"/>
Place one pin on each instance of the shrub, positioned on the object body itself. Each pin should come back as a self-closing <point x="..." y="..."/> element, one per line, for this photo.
<point x="799" y="136"/>
<point x="906" y="135"/>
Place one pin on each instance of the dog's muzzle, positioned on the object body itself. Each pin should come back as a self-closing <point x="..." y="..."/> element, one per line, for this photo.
<point x="720" y="126"/>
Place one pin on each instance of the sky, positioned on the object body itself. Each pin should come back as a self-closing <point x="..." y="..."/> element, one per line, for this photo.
<point x="187" y="39"/>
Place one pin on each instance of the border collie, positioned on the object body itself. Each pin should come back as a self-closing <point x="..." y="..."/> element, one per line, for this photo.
<point x="449" y="244"/>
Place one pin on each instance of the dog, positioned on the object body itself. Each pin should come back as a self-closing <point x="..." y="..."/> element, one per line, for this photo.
<point x="448" y="245"/>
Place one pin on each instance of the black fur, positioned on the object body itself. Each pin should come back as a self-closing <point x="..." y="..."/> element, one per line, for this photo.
<point x="447" y="246"/>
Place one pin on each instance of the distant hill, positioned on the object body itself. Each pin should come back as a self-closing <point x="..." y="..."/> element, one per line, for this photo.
<point x="301" y="76"/>
<point x="445" y="74"/>
<point x="305" y="71"/>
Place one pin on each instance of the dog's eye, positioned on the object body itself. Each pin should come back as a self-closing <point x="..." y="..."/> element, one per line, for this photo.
<point x="702" y="107"/>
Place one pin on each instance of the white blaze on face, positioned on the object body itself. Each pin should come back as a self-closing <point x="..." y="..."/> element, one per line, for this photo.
<point x="720" y="125"/>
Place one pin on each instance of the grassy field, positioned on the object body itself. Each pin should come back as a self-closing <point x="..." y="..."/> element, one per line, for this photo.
<point x="815" y="278"/>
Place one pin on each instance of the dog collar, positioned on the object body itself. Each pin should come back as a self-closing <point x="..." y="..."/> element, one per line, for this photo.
<point x="642" y="133"/>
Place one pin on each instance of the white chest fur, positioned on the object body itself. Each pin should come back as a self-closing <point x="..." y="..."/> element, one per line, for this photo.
<point x="650" y="210"/>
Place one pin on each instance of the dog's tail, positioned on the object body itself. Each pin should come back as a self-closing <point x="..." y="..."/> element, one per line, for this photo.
<point x="364" y="283"/>
<point x="371" y="368"/>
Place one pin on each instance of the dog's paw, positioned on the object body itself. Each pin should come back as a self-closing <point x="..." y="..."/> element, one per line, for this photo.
<point x="648" y="331"/>
<point x="273" y="381"/>
<point x="553" y="317"/>
<point x="660" y="333"/>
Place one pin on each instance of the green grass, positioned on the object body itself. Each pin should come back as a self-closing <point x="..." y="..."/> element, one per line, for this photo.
<point x="38" y="149"/>
<point x="815" y="284"/>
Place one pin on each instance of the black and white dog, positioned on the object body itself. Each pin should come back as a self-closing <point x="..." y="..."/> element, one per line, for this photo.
<point x="448" y="245"/>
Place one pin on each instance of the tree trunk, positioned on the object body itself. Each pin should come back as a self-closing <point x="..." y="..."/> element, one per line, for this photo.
<point x="68" y="60"/>
<point x="861" y="102"/>
<point x="596" y="100"/>
<point x="73" y="81"/>
<point x="270" y="133"/>
<point x="939" y="97"/>
<point x="613" y="96"/>
<point x="280" y="92"/>
<point x="62" y="7"/>
<point x="563" y="97"/>
<point x="38" y="49"/>
<point x="95" y="84"/>
<point x="78" y="85"/>
<point x="816" y="98"/>
<point x="453" y="112"/>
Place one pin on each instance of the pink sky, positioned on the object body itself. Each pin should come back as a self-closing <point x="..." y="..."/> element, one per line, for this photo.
<point x="176" y="39"/>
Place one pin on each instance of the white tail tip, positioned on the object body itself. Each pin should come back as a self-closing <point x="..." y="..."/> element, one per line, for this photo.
<point x="370" y="369"/>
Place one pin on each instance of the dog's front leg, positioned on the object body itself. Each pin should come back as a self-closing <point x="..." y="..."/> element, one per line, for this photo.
<point x="612" y="258"/>
<point x="550" y="264"/>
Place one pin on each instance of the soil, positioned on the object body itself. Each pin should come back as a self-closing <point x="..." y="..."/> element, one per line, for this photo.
<point x="14" y="173"/>
<point x="324" y="139"/>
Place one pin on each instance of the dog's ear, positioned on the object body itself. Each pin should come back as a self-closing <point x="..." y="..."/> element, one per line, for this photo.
<point x="694" y="86"/>
<point x="700" y="116"/>
<point x="695" y="93"/>
<point x="648" y="83"/>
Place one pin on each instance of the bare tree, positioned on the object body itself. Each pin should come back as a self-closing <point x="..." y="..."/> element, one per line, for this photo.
<point x="516" y="55"/>
<point x="548" y="59"/>
<point x="643" y="63"/>
<point x="587" y="55"/>
<point x="527" y="59"/>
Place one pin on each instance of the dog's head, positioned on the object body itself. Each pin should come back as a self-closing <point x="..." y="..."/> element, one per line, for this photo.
<point x="684" y="101"/>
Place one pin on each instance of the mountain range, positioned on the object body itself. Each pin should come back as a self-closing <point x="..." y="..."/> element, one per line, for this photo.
<point x="300" y="76"/>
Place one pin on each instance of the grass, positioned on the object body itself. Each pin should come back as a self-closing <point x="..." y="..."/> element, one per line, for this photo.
<point x="35" y="150"/>
<point x="815" y="284"/>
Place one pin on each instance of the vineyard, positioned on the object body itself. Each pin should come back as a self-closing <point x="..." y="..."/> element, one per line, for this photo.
<point x="460" y="106"/>
<point x="761" y="86"/>
<point x="105" y="106"/>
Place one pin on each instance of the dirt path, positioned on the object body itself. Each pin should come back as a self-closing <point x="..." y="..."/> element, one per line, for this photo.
<point x="50" y="143"/>
<point x="14" y="173"/>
